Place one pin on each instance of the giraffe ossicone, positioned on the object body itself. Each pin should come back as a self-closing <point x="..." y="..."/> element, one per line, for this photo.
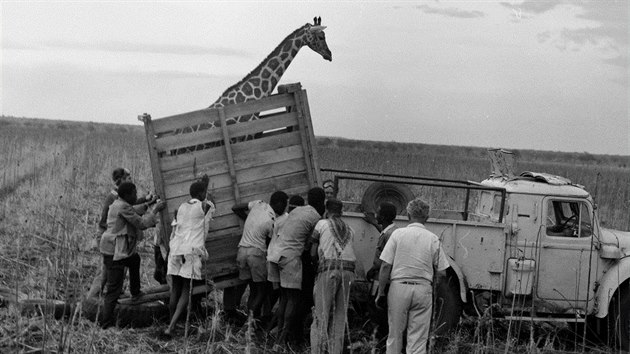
<point x="261" y="81"/>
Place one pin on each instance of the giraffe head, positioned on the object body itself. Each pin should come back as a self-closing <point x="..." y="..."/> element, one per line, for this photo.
<point x="316" y="39"/>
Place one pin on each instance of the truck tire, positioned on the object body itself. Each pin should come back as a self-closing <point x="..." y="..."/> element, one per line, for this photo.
<point x="379" y="192"/>
<point x="137" y="316"/>
<point x="619" y="321"/>
<point x="448" y="306"/>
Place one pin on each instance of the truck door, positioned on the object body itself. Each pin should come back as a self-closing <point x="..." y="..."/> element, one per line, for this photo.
<point x="565" y="252"/>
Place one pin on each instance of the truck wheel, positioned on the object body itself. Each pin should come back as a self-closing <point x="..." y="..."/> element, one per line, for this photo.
<point x="619" y="321"/>
<point x="379" y="192"/>
<point x="448" y="306"/>
<point x="138" y="315"/>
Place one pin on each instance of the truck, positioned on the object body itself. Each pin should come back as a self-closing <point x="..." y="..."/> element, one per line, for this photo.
<point x="528" y="245"/>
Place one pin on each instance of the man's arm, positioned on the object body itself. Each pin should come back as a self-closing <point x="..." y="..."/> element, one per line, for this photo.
<point x="314" y="245"/>
<point x="240" y="210"/>
<point x="383" y="277"/>
<point x="383" y="280"/>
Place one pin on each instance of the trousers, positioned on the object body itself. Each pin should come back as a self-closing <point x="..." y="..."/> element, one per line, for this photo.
<point x="332" y="294"/>
<point x="409" y="307"/>
<point x="115" y="280"/>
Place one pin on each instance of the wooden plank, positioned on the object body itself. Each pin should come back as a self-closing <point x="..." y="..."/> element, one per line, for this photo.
<point x="312" y="147"/>
<point x="242" y="176"/>
<point x="193" y="118"/>
<point x="262" y="125"/>
<point x="184" y="140"/>
<point x="192" y="172"/>
<point x="228" y="154"/>
<point x="178" y="141"/>
<point x="183" y="120"/>
<point x="225" y="208"/>
<point x="241" y="162"/>
<point x="216" y="154"/>
<point x="158" y="180"/>
<point x="304" y="135"/>
<point x="268" y="185"/>
<point x="223" y="222"/>
<point x="257" y="106"/>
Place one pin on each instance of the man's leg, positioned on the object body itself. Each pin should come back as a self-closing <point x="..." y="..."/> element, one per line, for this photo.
<point x="419" y="319"/>
<point x="159" y="274"/>
<point x="288" y="329"/>
<point x="340" y="308"/>
<point x="291" y="280"/>
<point x="232" y="299"/>
<point x="398" y="300"/>
<point x="282" y="306"/>
<point x="319" y="327"/>
<point x="133" y="263"/>
<point x="176" y="291"/>
<point x="115" y="279"/>
<point x="257" y="297"/>
<point x="182" y="302"/>
<point x="99" y="282"/>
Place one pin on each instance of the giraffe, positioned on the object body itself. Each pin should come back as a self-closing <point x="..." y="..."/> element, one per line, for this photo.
<point x="261" y="81"/>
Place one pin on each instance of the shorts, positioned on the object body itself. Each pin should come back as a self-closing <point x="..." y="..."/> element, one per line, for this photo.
<point x="252" y="264"/>
<point x="186" y="266"/>
<point x="286" y="272"/>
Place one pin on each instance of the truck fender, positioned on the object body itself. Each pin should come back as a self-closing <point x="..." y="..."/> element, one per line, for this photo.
<point x="609" y="284"/>
<point x="463" y="289"/>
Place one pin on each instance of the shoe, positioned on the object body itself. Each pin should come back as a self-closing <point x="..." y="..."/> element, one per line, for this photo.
<point x="137" y="297"/>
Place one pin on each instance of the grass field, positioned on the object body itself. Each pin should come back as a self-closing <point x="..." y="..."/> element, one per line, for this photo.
<point x="54" y="175"/>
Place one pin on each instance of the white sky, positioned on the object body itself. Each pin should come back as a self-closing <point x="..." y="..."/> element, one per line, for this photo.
<point x="546" y="75"/>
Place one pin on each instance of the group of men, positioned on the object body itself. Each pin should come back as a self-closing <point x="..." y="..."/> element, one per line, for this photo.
<point x="312" y="245"/>
<point x="301" y="255"/>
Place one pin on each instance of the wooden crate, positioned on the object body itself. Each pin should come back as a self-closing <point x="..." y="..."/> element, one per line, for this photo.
<point x="280" y="157"/>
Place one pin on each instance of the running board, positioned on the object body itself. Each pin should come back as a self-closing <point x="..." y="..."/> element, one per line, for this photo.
<point x="542" y="319"/>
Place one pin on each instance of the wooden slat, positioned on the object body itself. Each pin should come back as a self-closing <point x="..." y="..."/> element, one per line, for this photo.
<point x="224" y="222"/>
<point x="183" y="120"/>
<point x="191" y="173"/>
<point x="262" y="105"/>
<point x="216" y="154"/>
<point x="312" y="148"/>
<point x="188" y="119"/>
<point x="157" y="176"/>
<point x="171" y="142"/>
<point x="304" y="134"/>
<point x="248" y="190"/>
<point x="225" y="208"/>
<point x="184" y="140"/>
<point x="261" y="125"/>
<point x="241" y="162"/>
<point x="242" y="176"/>
<point x="228" y="154"/>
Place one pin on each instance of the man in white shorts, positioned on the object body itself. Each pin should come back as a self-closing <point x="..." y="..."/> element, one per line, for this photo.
<point x="187" y="248"/>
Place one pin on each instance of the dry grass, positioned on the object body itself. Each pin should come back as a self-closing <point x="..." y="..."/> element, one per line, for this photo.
<point x="53" y="176"/>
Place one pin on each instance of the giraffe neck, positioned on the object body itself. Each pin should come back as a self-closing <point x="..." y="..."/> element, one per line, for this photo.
<point x="261" y="81"/>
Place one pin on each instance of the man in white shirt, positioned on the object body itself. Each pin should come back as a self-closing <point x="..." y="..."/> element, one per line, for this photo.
<point x="410" y="258"/>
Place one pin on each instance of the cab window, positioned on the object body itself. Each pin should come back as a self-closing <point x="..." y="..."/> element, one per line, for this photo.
<point x="568" y="218"/>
